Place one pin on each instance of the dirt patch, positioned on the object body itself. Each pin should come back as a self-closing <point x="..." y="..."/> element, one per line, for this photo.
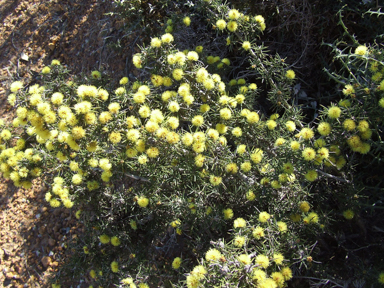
<point x="80" y="35"/>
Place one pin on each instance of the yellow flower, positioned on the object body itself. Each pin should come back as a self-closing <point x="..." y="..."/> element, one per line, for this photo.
<point x="115" y="137"/>
<point x="237" y="132"/>
<point x="246" y="166"/>
<point x="221" y="24"/>
<point x="239" y="223"/>
<point x="278" y="278"/>
<point x="348" y="214"/>
<point x="381" y="278"/>
<point x="96" y="75"/>
<point x="167" y="38"/>
<point x="264" y="217"/>
<point x="155" y="42"/>
<point x="142" y="202"/>
<point x="361" y="50"/>
<point x="246" y="45"/>
<point x="193" y="56"/>
<point x="114" y="267"/>
<point x="187" y="21"/>
<point x="46" y="70"/>
<point x="176" y="263"/>
<point x="311" y="175"/>
<point x="258" y="232"/>
<point x="287" y="273"/>
<point x="309" y="154"/>
<point x="232" y="26"/>
<point x="233" y="14"/>
<point x="252" y="117"/>
<point x="262" y="261"/>
<point x="239" y="241"/>
<point x="324" y="128"/>
<point x="77" y="179"/>
<point x="178" y="74"/>
<point x="213" y="255"/>
<point x="215" y="180"/>
<point x="290" y="74"/>
<point x="152" y="152"/>
<point x="228" y="213"/>
<point x="271" y="124"/>
<point x="348" y="90"/>
<point x="104" y="239"/>
<point x="198" y="120"/>
<point x="282" y="226"/>
<point x="334" y="112"/>
<point x="137" y="61"/>
<point x="306" y="133"/>
<point x="143" y="159"/>
<point x="115" y="241"/>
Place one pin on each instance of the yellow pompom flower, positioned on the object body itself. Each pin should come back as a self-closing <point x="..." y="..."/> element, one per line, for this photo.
<point x="252" y="117"/>
<point x="233" y="14"/>
<point x="115" y="241"/>
<point x="215" y="180"/>
<point x="144" y="111"/>
<point x="348" y="214"/>
<point x="278" y="278"/>
<point x="155" y="42"/>
<point x="176" y="263"/>
<point x="152" y="152"/>
<point x="115" y="267"/>
<point x="232" y="26"/>
<point x="228" y="213"/>
<point x="290" y="74"/>
<point x="225" y="114"/>
<point x="246" y="45"/>
<point x="167" y="38"/>
<point x="143" y="159"/>
<point x="213" y="255"/>
<point x="77" y="179"/>
<point x="264" y="217"/>
<point x="287" y="273"/>
<point x="104" y="117"/>
<point x="142" y="202"/>
<point x="334" y="112"/>
<point x="187" y="21"/>
<point x="271" y="124"/>
<point x="308" y="154"/>
<point x="46" y="70"/>
<point x="361" y="50"/>
<point x="239" y="223"/>
<point x="245" y="259"/>
<point x="104" y="239"/>
<point x="198" y="120"/>
<point x="115" y="137"/>
<point x="282" y="226"/>
<point x="237" y="132"/>
<point x="311" y="175"/>
<point x="324" y="128"/>
<point x="348" y="90"/>
<point x="178" y="74"/>
<point x="137" y="61"/>
<point x="262" y="261"/>
<point x="258" y="233"/>
<point x="239" y="241"/>
<point x="306" y="133"/>
<point x="221" y="24"/>
<point x="380" y="279"/>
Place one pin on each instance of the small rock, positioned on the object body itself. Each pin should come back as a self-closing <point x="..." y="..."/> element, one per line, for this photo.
<point x="46" y="261"/>
<point x="51" y="242"/>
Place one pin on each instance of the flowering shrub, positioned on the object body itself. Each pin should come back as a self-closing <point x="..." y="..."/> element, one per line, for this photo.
<point x="164" y="166"/>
